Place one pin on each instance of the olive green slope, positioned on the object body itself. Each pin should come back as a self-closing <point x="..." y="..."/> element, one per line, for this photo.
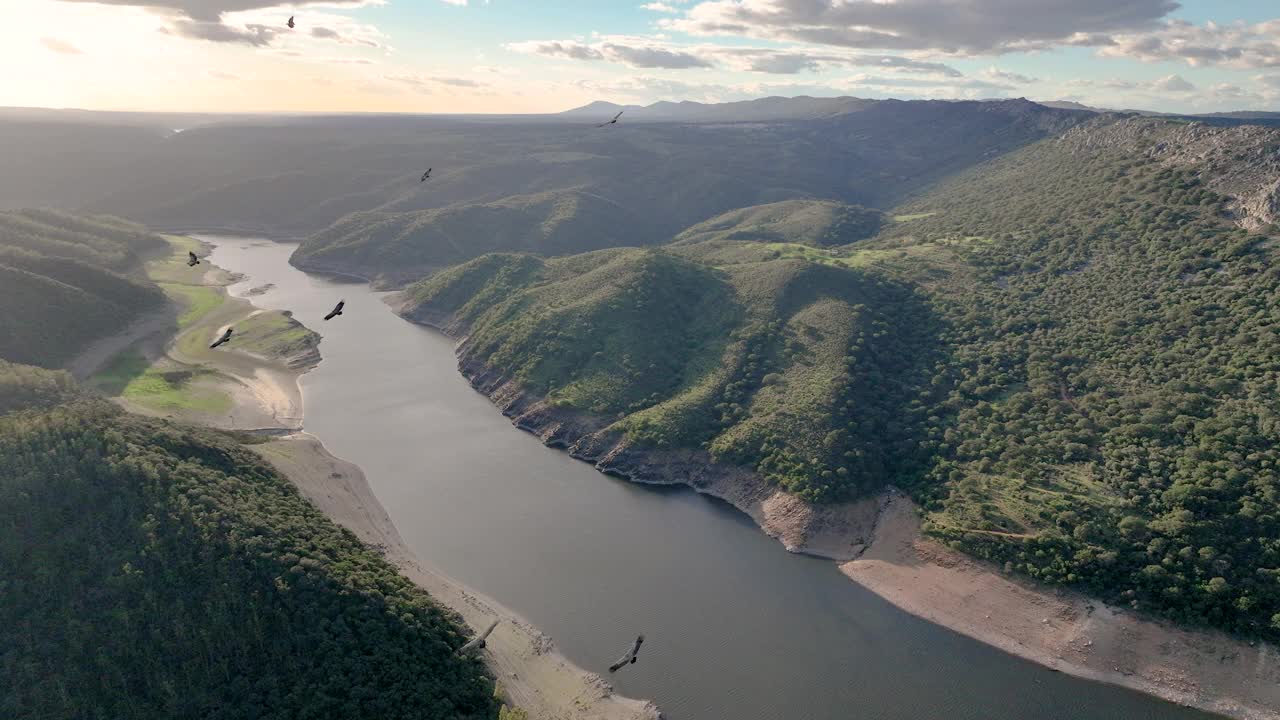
<point x="820" y="223"/>
<point x="798" y="369"/>
<point x="410" y="244"/>
<point x="153" y="570"/>
<point x="1114" y="421"/>
<point x="66" y="281"/>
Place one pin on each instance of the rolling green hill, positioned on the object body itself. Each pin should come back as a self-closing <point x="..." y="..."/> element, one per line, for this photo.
<point x="757" y="361"/>
<point x="154" y="570"/>
<point x="1114" y="362"/>
<point x="1068" y="354"/>
<point x="819" y="223"/>
<point x="411" y="244"/>
<point x="67" y="281"/>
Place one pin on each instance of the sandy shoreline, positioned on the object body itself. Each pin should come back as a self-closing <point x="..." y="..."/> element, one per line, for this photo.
<point x="531" y="673"/>
<point x="1064" y="630"/>
<point x="878" y="543"/>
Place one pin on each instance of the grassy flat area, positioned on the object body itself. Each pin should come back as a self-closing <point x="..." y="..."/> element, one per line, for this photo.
<point x="172" y="268"/>
<point x="197" y="301"/>
<point x="159" y="387"/>
<point x="272" y="334"/>
<point x="916" y="216"/>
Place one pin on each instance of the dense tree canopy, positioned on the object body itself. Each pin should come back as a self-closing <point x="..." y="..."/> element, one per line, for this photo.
<point x="151" y="570"/>
<point x="66" y="281"/>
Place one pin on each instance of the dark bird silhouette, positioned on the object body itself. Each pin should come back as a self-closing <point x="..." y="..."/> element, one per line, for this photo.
<point x="192" y="260"/>
<point x="630" y="657"/>
<point x="290" y="23"/>
<point x="226" y="337"/>
<point x="425" y="175"/>
<point x="478" y="641"/>
<point x="336" y="311"/>
<point x="614" y="121"/>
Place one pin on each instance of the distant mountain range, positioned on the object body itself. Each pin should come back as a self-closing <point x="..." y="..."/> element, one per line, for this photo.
<point x="805" y="108"/>
<point x="762" y="109"/>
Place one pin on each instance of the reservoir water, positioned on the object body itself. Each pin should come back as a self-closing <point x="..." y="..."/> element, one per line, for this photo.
<point x="736" y="628"/>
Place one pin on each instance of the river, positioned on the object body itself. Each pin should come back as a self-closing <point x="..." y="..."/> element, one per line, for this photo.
<point x="736" y="628"/>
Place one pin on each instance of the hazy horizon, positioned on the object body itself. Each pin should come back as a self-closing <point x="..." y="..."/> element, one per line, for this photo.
<point x="496" y="57"/>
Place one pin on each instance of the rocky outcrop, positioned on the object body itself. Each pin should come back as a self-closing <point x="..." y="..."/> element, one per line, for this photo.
<point x="1242" y="162"/>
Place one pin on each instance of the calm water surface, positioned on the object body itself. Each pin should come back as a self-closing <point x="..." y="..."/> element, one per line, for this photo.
<point x="736" y="628"/>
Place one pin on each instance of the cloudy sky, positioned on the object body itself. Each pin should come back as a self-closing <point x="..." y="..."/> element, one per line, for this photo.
<point x="550" y="55"/>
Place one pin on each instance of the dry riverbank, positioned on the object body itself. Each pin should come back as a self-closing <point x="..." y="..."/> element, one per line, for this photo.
<point x="880" y="545"/>
<point x="532" y="674"/>
<point x="1063" y="630"/>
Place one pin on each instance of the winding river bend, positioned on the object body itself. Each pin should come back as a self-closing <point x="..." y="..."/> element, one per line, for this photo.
<point x="736" y="628"/>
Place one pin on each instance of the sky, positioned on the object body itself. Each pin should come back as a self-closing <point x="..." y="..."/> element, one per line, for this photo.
<point x="535" y="56"/>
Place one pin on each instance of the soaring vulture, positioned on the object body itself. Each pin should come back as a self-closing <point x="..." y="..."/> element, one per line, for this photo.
<point x="425" y="175"/>
<point x="226" y="337"/>
<point x="629" y="657"/>
<point x="290" y="23"/>
<point x="336" y="311"/>
<point x="478" y="641"/>
<point x="614" y="121"/>
<point x="192" y="260"/>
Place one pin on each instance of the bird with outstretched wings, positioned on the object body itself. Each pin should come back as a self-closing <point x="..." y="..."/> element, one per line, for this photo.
<point x="226" y="337"/>
<point x="192" y="260"/>
<point x="290" y="23"/>
<point x="425" y="175"/>
<point x="336" y="311"/>
<point x="629" y="657"/>
<point x="614" y="121"/>
<point x="478" y="641"/>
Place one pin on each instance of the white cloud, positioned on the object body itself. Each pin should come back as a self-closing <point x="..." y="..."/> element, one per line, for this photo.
<point x="998" y="75"/>
<point x="429" y="82"/>
<point x="1235" y="45"/>
<point x="1172" y="83"/>
<point x="644" y="52"/>
<point x="960" y="26"/>
<point x="257" y="23"/>
<point x="60" y="46"/>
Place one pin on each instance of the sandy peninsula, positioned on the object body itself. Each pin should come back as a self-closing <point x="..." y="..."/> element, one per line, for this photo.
<point x="161" y="364"/>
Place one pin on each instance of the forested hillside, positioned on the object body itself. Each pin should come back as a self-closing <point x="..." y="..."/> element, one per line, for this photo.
<point x="67" y="281"/>
<point x="153" y="570"/>
<point x="408" y="245"/>
<point x="820" y="223"/>
<point x="1069" y="355"/>
<point x="750" y="357"/>
<point x="1114" y="370"/>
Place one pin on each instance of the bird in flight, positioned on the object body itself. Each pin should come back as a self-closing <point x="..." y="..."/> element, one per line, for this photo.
<point x="478" y="640"/>
<point x="290" y="23"/>
<point x="336" y="311"/>
<point x="425" y="175"/>
<point x="614" y="121"/>
<point x="629" y="657"/>
<point x="192" y="260"/>
<point x="226" y="337"/>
